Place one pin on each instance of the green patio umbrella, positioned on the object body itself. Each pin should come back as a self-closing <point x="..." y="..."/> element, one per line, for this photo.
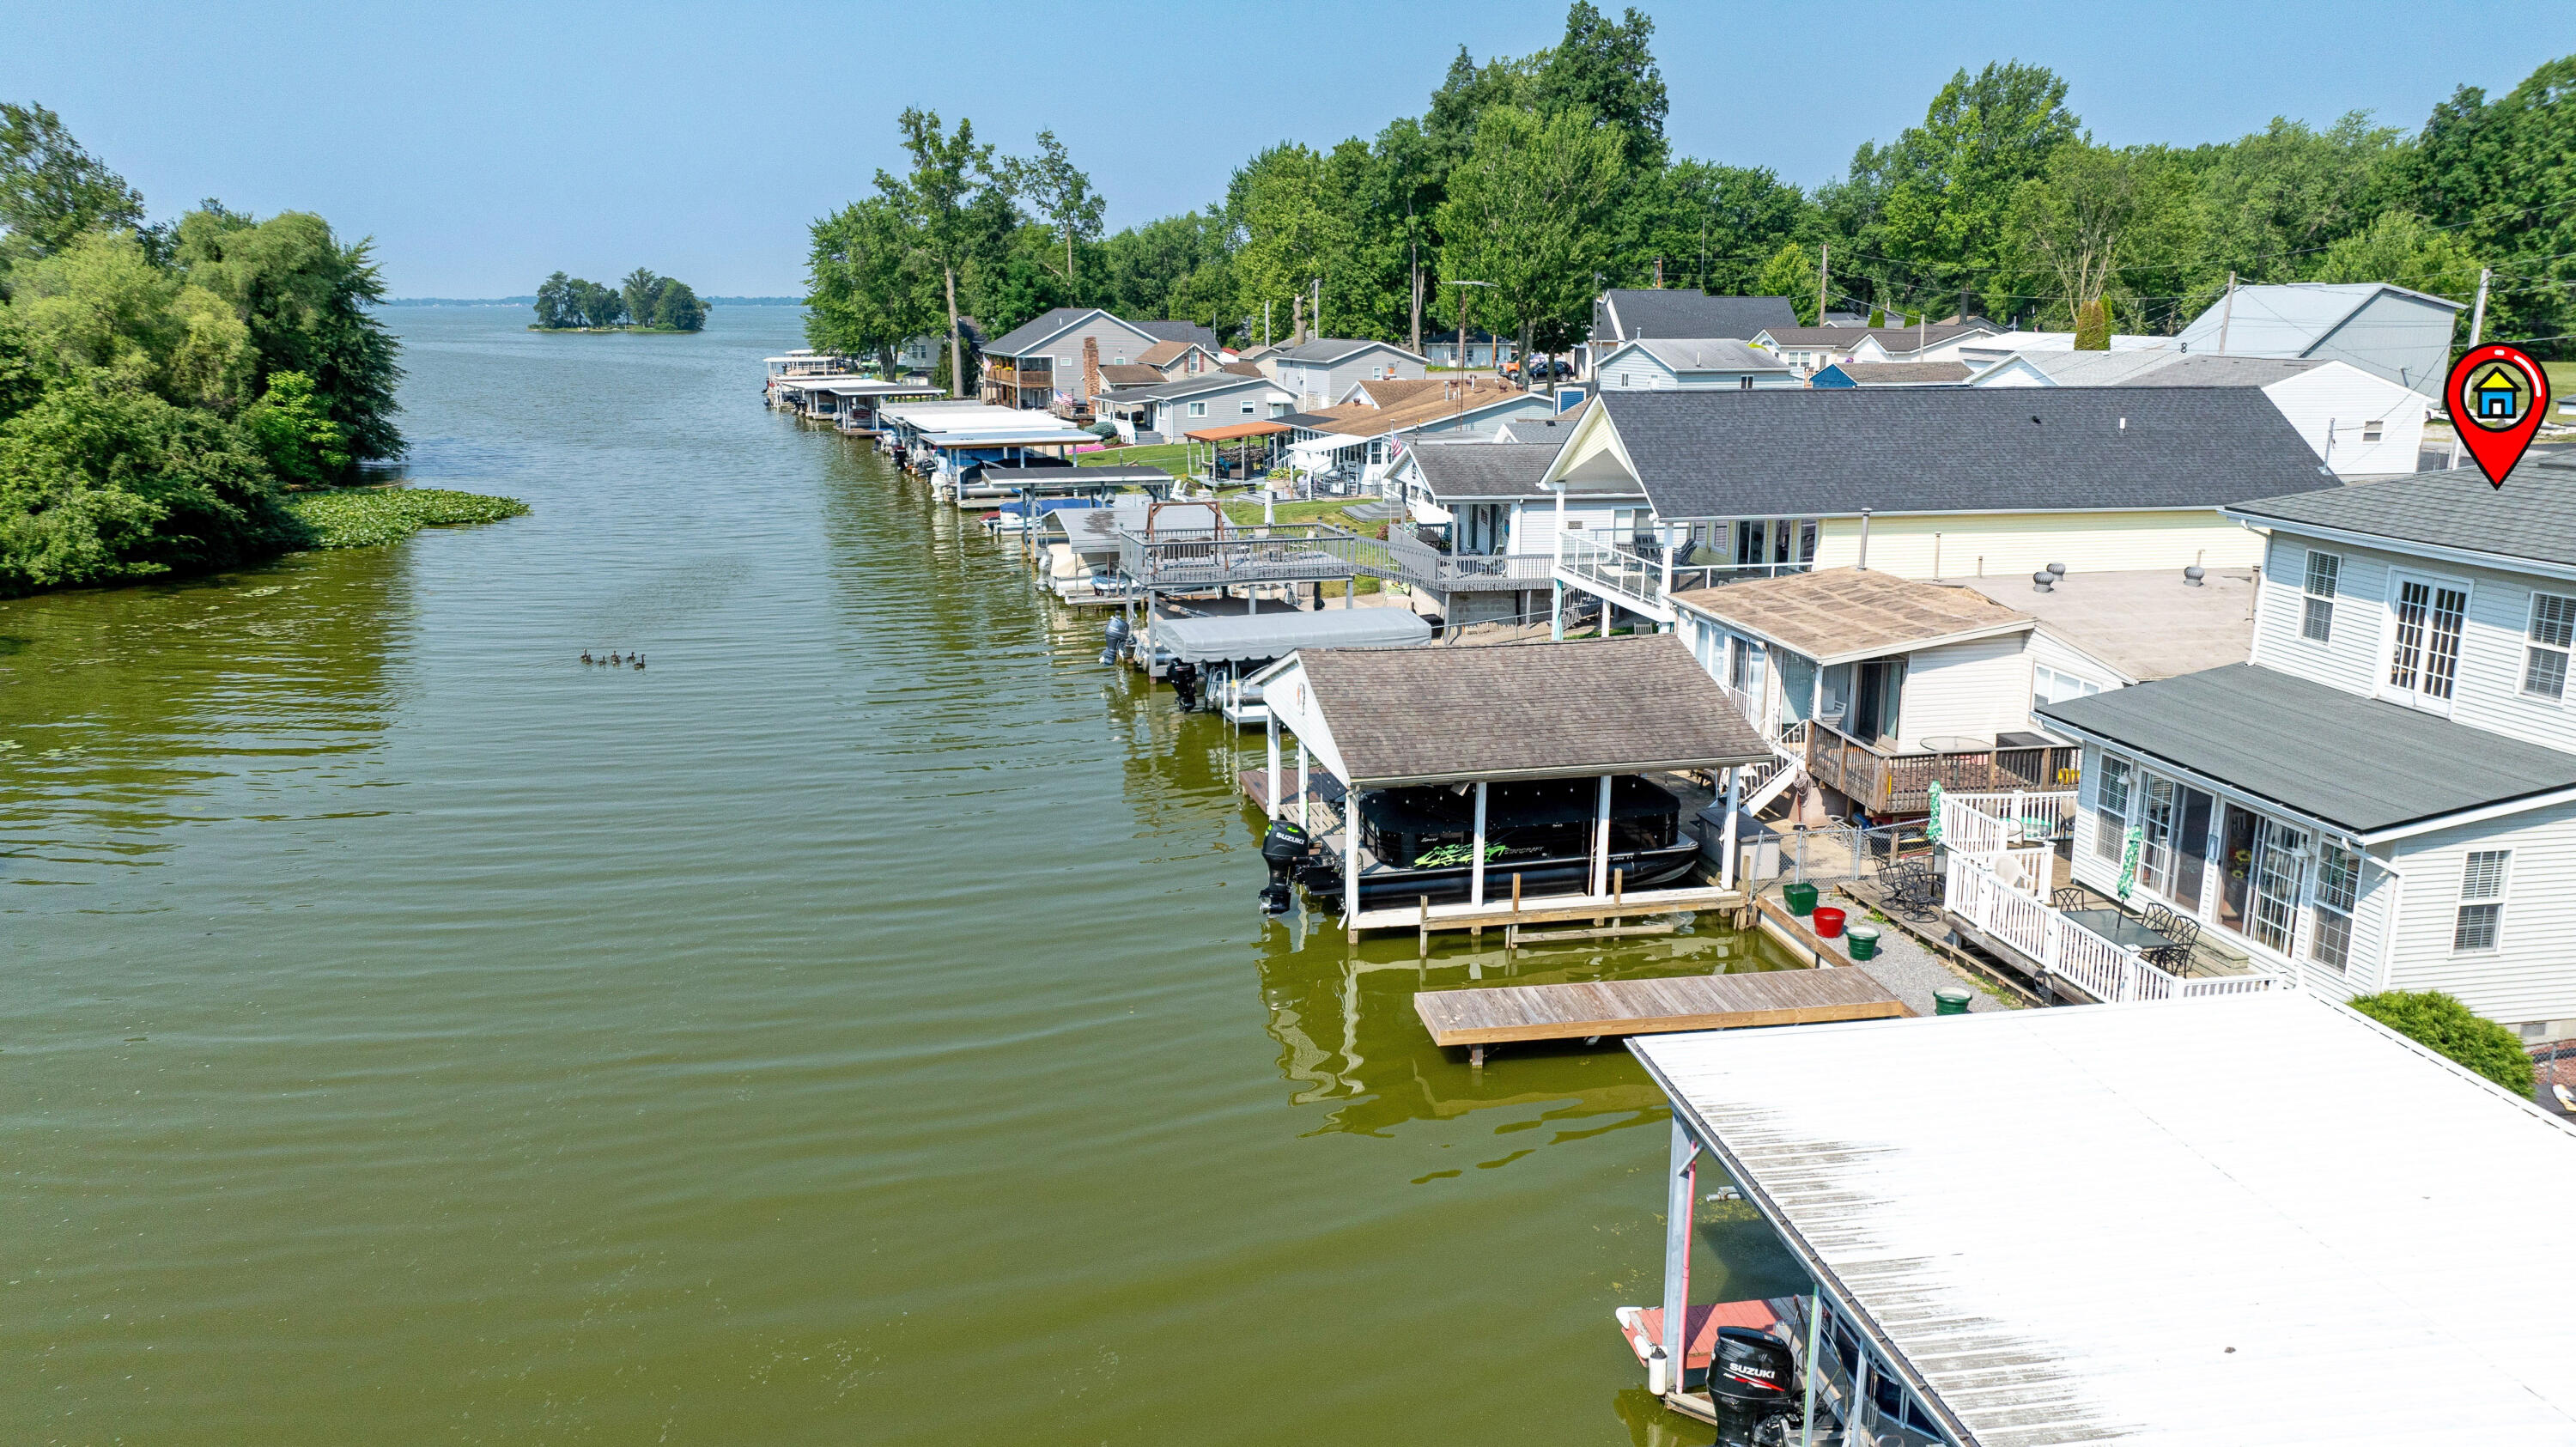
<point x="1932" y="825"/>
<point x="2129" y="861"/>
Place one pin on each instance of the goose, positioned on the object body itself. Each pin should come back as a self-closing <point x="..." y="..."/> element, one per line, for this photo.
<point x="585" y="656"/>
<point x="639" y="661"/>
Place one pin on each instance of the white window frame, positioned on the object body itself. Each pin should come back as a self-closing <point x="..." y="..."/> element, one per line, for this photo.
<point x="2316" y="610"/>
<point x="2125" y="771"/>
<point x="2039" y="694"/>
<point x="2327" y="903"/>
<point x="2371" y="430"/>
<point x="1198" y="409"/>
<point x="2474" y="896"/>
<point x="2416" y="697"/>
<point x="2533" y="645"/>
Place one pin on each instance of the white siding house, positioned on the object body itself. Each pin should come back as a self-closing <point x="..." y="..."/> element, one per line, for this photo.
<point x="1698" y="365"/>
<point x="1317" y="371"/>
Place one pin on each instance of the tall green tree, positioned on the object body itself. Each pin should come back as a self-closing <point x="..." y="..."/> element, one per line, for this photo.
<point x="641" y="291"/>
<point x="2501" y="175"/>
<point x="949" y="203"/>
<point x="99" y="310"/>
<point x="1791" y="272"/>
<point x="1606" y="69"/>
<point x="2271" y="202"/>
<point x="1711" y="226"/>
<point x="51" y="190"/>
<point x="868" y="289"/>
<point x="679" y="308"/>
<point x="1294" y="231"/>
<point x="1527" y="212"/>
<point x="1179" y="266"/>
<point x="2099" y="226"/>
<point x="1061" y="195"/>
<point x="310" y="303"/>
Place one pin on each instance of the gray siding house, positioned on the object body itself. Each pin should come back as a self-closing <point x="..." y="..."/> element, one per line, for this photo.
<point x="1659" y="364"/>
<point x="1318" y="371"/>
<point x="2388" y="331"/>
<point x="1034" y="361"/>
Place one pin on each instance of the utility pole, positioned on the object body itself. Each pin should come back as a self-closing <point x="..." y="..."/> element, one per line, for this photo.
<point x="2477" y="329"/>
<point x="2227" y="313"/>
<point x="1265" y="323"/>
<point x="1319" y="306"/>
<point x="1824" y="256"/>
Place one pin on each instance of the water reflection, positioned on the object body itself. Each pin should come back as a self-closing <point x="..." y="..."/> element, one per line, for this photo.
<point x="125" y="712"/>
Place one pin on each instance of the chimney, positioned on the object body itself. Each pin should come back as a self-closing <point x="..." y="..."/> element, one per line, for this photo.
<point x="1090" y="367"/>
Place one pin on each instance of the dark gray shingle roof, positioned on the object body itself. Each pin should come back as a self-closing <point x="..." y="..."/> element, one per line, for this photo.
<point x="1485" y="469"/>
<point x="2532" y="516"/>
<point x="1625" y="315"/>
<point x="1038" y="329"/>
<point x="1178" y="332"/>
<point x="1526" y="711"/>
<point x="1216" y="381"/>
<point x="1832" y="452"/>
<point x="2351" y="761"/>
<point x="1899" y="374"/>
<point x="1329" y="349"/>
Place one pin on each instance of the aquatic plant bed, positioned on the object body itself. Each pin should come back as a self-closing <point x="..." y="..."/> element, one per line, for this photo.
<point x="372" y="517"/>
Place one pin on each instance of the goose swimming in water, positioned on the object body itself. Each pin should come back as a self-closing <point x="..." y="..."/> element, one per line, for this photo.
<point x="586" y="658"/>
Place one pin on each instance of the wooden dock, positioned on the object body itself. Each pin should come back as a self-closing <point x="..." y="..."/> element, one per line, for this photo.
<point x="1504" y="914"/>
<point x="1505" y="1013"/>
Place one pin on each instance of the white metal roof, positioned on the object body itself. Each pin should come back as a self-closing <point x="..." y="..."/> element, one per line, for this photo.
<point x="2287" y="319"/>
<point x="2253" y="1219"/>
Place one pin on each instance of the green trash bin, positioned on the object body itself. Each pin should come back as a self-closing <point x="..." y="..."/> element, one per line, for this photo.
<point x="1951" y="1000"/>
<point x="1864" y="941"/>
<point x="1801" y="897"/>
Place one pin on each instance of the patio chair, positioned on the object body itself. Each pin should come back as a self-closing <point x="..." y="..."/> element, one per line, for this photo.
<point x="2174" y="958"/>
<point x="2068" y="898"/>
<point x="2158" y="918"/>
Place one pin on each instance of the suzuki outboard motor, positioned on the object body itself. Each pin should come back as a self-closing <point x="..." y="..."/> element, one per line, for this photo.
<point x="1115" y="640"/>
<point x="1283" y="849"/>
<point x="1755" y="1381"/>
<point x="1183" y="676"/>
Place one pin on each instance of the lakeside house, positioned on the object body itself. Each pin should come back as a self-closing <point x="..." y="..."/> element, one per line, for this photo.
<point x="1479" y="532"/>
<point x="1165" y="410"/>
<point x="1039" y="363"/>
<point x="1628" y="314"/>
<point x="1484" y="349"/>
<point x="1689" y="364"/>
<point x="1351" y="446"/>
<point x="2359" y="423"/>
<point x="1317" y="371"/>
<point x="1809" y="350"/>
<point x="2388" y="331"/>
<point x="1921" y="482"/>
<point x="2384" y="795"/>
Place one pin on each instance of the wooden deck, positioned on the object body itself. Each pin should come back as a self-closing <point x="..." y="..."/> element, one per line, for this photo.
<point x="1544" y="908"/>
<point x="1652" y="1007"/>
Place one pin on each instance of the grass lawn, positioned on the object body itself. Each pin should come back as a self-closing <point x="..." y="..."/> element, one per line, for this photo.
<point x="2562" y="375"/>
<point x="1169" y="456"/>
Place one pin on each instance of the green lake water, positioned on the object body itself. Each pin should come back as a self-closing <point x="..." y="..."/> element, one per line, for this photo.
<point x="856" y="1027"/>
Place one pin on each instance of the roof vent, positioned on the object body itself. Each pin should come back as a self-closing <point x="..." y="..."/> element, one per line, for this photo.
<point x="2124" y="424"/>
<point x="2193" y="574"/>
<point x="2035" y="422"/>
<point x="2057" y="570"/>
<point x="2043" y="581"/>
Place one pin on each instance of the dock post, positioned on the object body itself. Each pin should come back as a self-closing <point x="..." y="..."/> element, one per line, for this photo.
<point x="1726" y="854"/>
<point x="1815" y="1341"/>
<point x="1271" y="783"/>
<point x="1681" y="1191"/>
<point x="1305" y="816"/>
<point x="1351" y="858"/>
<point x="1476" y="871"/>
<point x="1423" y="921"/>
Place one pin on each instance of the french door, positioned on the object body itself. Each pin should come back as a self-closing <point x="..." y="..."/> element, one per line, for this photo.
<point x="2426" y="619"/>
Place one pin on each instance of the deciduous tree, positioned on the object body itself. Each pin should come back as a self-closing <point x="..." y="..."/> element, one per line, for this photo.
<point x="868" y="288"/>
<point x="1526" y="212"/>
<point x="951" y="202"/>
<point x="51" y="190"/>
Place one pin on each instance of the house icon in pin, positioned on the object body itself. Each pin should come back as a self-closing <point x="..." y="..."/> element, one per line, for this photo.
<point x="2495" y="395"/>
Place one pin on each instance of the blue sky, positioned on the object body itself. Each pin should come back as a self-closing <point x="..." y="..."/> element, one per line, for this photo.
<point x="483" y="146"/>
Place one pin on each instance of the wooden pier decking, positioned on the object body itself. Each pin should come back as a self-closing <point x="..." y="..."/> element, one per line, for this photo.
<point x="1505" y="1013"/>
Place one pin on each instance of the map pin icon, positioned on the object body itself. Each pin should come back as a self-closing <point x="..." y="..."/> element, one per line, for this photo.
<point x="2497" y="396"/>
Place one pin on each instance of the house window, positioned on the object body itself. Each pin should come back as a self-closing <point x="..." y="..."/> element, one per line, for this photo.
<point x="2157" y="825"/>
<point x="1627" y="379"/>
<point x="2481" y="919"/>
<point x="2317" y="623"/>
<point x="2551" y="635"/>
<point x="1198" y="409"/>
<point x="2370" y="431"/>
<point x="1247" y="409"/>
<point x="1744" y="384"/>
<point x="2047" y="685"/>
<point x="2280" y="854"/>
<point x="2111" y="806"/>
<point x="2338" y="892"/>
<point x="2426" y="659"/>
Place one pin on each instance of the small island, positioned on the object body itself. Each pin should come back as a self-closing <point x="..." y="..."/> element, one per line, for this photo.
<point x="641" y="303"/>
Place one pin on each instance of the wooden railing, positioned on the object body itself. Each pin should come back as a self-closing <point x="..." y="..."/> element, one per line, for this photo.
<point x="2067" y="950"/>
<point x="1885" y="783"/>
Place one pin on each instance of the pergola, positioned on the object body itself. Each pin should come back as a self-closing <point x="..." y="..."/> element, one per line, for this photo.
<point x="1395" y="718"/>
<point x="1241" y="433"/>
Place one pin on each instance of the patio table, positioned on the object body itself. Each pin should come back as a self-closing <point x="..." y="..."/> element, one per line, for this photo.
<point x="2122" y="928"/>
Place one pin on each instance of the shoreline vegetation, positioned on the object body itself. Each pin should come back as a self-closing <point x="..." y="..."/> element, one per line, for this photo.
<point x="643" y="302"/>
<point x="368" y="517"/>
<point x="166" y="387"/>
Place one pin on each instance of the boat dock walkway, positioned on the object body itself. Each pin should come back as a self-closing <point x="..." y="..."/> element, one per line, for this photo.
<point x="1502" y="1014"/>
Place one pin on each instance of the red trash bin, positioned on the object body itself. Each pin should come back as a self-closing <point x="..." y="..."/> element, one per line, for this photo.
<point x="1829" y="922"/>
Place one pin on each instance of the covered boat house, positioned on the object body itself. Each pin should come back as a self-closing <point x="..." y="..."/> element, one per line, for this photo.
<point x="1475" y="775"/>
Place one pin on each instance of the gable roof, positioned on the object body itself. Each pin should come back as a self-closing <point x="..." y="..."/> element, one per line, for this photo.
<point x="1422" y="408"/>
<point x="1171" y="331"/>
<point x="1485" y="469"/>
<point x="1895" y="374"/>
<point x="1525" y="711"/>
<point x="1553" y="428"/>
<point x="1698" y="354"/>
<point x="2359" y="764"/>
<point x="2288" y="319"/>
<point x="1895" y="339"/>
<point x="1162" y="352"/>
<point x="1327" y="350"/>
<point x="1132" y="374"/>
<point x="1209" y="382"/>
<point x="1046" y="326"/>
<point x="2527" y="520"/>
<point x="1833" y="615"/>
<point x="1785" y="452"/>
<point x="1626" y="314"/>
<point x="2160" y="367"/>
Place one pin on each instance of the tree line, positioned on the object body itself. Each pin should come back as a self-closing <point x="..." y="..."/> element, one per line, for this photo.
<point x="160" y="385"/>
<point x="643" y="300"/>
<point x="1548" y="177"/>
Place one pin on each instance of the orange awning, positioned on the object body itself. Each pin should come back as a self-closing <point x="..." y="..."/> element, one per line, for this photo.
<point x="1237" y="432"/>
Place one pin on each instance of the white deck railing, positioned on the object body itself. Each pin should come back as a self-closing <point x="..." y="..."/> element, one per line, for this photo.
<point x="2061" y="947"/>
<point x="1990" y="823"/>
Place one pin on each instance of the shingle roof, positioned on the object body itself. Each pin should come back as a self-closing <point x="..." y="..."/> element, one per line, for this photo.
<point x="1833" y="614"/>
<point x="2187" y="371"/>
<point x="1188" y="386"/>
<point x="1633" y="313"/>
<point x="1895" y="339"/>
<point x="1161" y="352"/>
<point x="2533" y="516"/>
<point x="1822" y="453"/>
<point x="1242" y="369"/>
<point x="1525" y="711"/>
<point x="1485" y="469"/>
<point x="1041" y="328"/>
<point x="1331" y="349"/>
<point x="1701" y="354"/>
<point x="1178" y="332"/>
<point x="1424" y="407"/>
<point x="1133" y="374"/>
<point x="1900" y="374"/>
<point x="2358" y="763"/>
